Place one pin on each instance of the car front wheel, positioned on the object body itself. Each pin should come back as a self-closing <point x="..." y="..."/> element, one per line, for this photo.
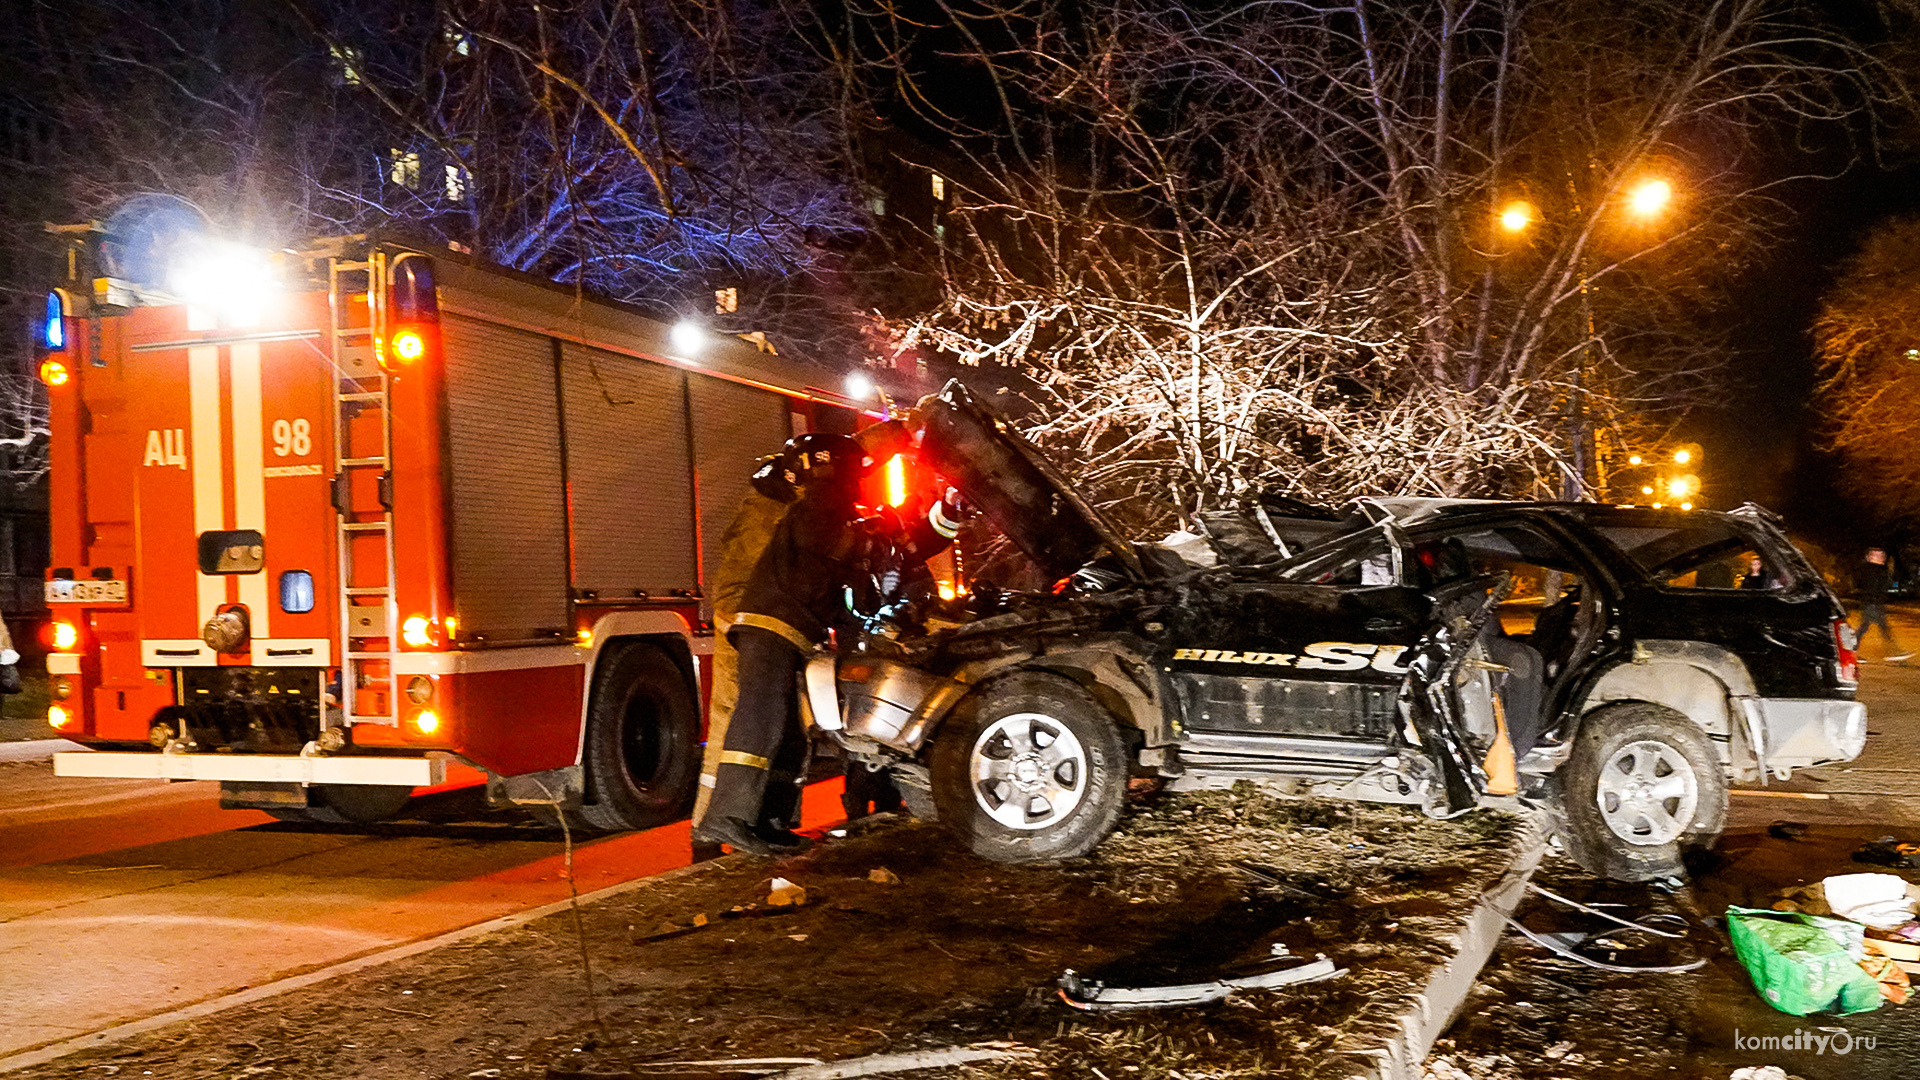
<point x="1643" y="784"/>
<point x="1031" y="769"/>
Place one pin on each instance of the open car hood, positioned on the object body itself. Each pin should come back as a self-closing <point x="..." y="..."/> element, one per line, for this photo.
<point x="1014" y="484"/>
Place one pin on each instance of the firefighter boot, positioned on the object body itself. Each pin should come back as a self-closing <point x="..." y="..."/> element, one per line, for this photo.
<point x="737" y="794"/>
<point x="782" y="840"/>
<point x="732" y="832"/>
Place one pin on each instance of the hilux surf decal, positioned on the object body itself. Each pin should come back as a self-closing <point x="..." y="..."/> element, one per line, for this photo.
<point x="1319" y="656"/>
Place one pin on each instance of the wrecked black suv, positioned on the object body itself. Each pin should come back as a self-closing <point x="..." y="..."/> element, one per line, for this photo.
<point x="1616" y="665"/>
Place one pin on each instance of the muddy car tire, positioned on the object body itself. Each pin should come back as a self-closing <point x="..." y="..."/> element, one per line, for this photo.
<point x="643" y="742"/>
<point x="917" y="799"/>
<point x="1031" y="769"/>
<point x="1642" y="786"/>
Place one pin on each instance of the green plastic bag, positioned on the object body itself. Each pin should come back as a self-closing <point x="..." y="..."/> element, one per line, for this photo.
<point x="1799" y="963"/>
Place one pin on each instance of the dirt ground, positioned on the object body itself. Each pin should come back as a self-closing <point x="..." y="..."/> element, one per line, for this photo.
<point x="1536" y="1015"/>
<point x="956" y="951"/>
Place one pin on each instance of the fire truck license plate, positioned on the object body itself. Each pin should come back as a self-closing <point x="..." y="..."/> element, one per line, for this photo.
<point x="87" y="591"/>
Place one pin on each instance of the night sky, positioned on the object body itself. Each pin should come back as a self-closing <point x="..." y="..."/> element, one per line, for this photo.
<point x="1759" y="438"/>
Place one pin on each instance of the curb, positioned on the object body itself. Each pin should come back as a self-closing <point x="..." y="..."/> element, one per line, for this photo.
<point x="1433" y="1009"/>
<point x="207" y="1007"/>
<point x="36" y="749"/>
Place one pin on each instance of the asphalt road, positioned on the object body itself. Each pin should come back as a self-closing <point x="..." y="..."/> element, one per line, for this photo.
<point x="1881" y="788"/>
<point x="124" y="899"/>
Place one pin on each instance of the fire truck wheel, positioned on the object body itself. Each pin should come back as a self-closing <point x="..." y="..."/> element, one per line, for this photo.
<point x="643" y="742"/>
<point x="1030" y="769"/>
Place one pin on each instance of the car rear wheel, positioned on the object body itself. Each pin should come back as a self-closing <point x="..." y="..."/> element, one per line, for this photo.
<point x="1030" y="769"/>
<point x="1643" y="784"/>
<point x="643" y="742"/>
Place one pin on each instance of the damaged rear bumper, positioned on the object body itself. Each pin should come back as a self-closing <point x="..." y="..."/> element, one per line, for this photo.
<point x="1794" y="733"/>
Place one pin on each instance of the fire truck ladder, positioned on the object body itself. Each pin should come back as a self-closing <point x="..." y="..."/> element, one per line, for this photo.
<point x="362" y="495"/>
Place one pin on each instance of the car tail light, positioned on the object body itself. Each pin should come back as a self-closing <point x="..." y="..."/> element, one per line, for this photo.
<point x="1845" y="658"/>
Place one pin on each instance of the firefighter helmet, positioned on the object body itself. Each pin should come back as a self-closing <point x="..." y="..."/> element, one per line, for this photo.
<point x="773" y="477"/>
<point x="817" y="457"/>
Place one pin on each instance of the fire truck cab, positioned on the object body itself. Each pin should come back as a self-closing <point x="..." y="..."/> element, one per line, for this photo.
<point x="327" y="523"/>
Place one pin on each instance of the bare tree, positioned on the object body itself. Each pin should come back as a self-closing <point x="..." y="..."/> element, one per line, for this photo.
<point x="1264" y="243"/>
<point x="1868" y="338"/>
<point x="683" y="155"/>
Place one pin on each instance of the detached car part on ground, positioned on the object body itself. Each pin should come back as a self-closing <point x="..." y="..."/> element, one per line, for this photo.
<point x="1367" y="657"/>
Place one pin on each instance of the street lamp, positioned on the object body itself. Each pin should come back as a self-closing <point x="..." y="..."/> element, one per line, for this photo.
<point x="1516" y="216"/>
<point x="1649" y="197"/>
<point x="1682" y="456"/>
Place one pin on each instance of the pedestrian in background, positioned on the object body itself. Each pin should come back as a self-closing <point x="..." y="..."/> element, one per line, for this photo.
<point x="1871" y="585"/>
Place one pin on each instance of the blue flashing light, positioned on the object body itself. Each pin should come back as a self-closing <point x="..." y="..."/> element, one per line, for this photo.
<point x="55" y="335"/>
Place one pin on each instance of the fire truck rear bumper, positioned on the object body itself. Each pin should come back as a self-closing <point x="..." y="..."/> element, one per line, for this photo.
<point x="255" y="768"/>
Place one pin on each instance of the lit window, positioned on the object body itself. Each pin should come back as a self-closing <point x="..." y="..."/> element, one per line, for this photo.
<point x="403" y="168"/>
<point x="939" y="187"/>
<point x="456" y="184"/>
<point x="347" y="59"/>
<point x="296" y="592"/>
<point x="879" y="205"/>
<point x="458" y="42"/>
<point x="726" y="301"/>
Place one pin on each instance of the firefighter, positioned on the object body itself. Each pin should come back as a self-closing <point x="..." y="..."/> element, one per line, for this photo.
<point x="768" y="495"/>
<point x="794" y="595"/>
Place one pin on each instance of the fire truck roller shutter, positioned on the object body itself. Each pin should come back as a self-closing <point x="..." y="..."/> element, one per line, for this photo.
<point x="509" y="503"/>
<point x="733" y="426"/>
<point x="627" y="462"/>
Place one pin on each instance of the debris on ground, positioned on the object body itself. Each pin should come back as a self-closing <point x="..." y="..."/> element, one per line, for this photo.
<point x="1802" y="964"/>
<point x="1877" y="900"/>
<point x="1888" y="851"/>
<point x="941" y="951"/>
<point x="784" y="893"/>
<point x="914" y="1061"/>
<point x="1094" y="996"/>
<point x="1762" y="1072"/>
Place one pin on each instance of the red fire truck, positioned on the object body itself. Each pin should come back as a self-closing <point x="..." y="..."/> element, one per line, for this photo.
<point x="328" y="522"/>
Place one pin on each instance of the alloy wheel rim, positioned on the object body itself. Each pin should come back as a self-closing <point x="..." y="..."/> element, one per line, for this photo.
<point x="1648" y="793"/>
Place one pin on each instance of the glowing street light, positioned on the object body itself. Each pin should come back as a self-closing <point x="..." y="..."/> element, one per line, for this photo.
<point x="1516" y="216"/>
<point x="1682" y="457"/>
<point x="1649" y="197"/>
<point x="860" y="386"/>
<point x="1636" y="459"/>
<point x="1646" y="489"/>
<point x="688" y="338"/>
